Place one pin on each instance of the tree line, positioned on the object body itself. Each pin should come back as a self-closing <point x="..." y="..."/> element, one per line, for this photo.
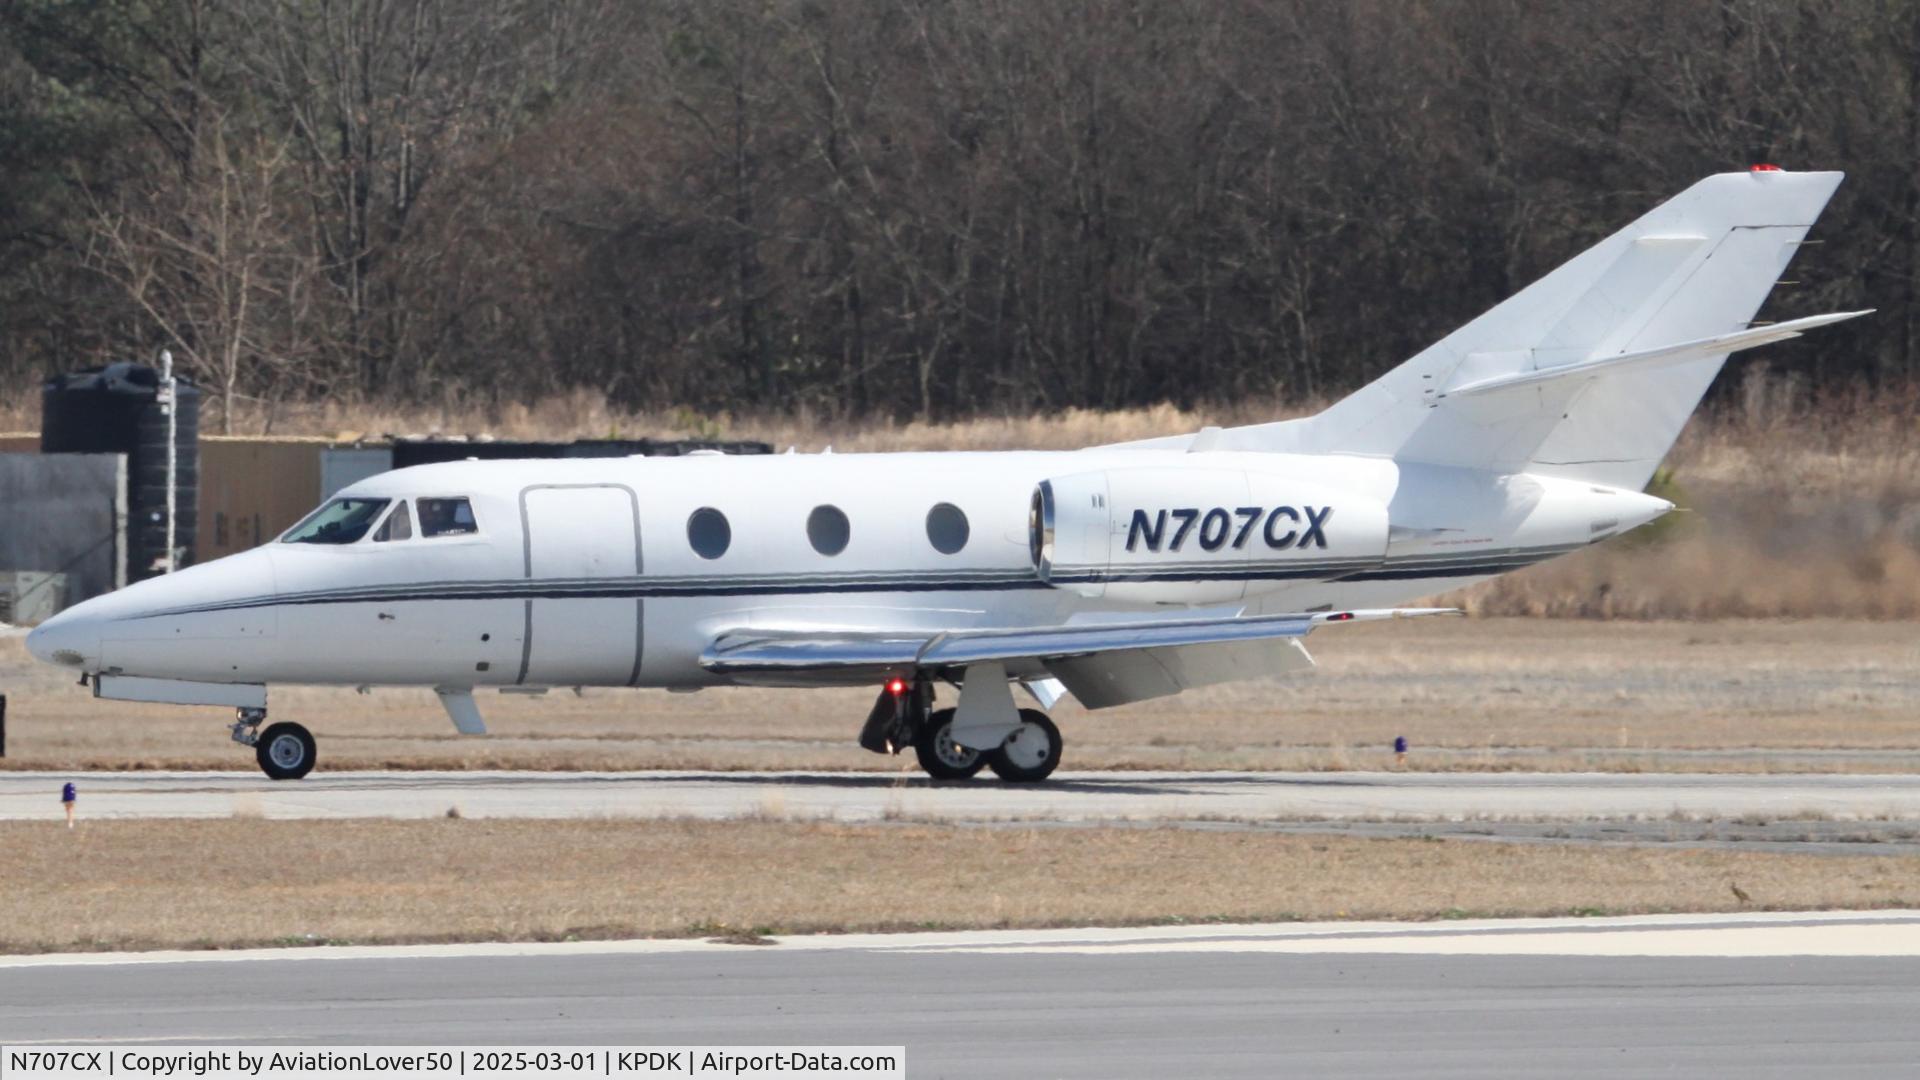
<point x="902" y="207"/>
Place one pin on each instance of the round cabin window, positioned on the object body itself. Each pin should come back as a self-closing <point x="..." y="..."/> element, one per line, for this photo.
<point x="827" y="530"/>
<point x="947" y="528"/>
<point x="708" y="533"/>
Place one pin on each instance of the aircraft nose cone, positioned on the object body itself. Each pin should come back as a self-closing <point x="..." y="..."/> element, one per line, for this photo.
<point x="69" y="639"/>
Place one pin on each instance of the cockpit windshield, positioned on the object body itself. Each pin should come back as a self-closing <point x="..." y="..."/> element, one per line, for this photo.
<point x="341" y="521"/>
<point x="398" y="525"/>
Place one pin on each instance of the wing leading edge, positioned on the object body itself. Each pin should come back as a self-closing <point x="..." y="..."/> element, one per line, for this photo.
<point x="1103" y="664"/>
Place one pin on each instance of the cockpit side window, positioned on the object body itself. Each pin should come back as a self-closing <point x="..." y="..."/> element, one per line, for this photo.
<point x="446" y="517"/>
<point x="398" y="526"/>
<point x="341" y="521"/>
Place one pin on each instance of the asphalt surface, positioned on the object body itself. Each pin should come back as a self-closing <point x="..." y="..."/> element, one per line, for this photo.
<point x="1068" y="797"/>
<point x="1779" y="995"/>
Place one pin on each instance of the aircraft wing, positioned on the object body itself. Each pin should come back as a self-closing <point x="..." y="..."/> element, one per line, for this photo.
<point x="1103" y="664"/>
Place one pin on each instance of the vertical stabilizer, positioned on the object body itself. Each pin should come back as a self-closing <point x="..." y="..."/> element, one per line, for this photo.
<point x="1693" y="270"/>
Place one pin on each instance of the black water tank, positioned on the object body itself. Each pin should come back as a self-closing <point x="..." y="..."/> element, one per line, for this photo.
<point x="116" y="410"/>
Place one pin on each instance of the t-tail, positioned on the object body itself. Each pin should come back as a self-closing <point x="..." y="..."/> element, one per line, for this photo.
<point x="1590" y="372"/>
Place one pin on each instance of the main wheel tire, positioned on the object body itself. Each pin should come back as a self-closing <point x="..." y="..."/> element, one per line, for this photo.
<point x="940" y="756"/>
<point x="285" y="751"/>
<point x="1031" y="753"/>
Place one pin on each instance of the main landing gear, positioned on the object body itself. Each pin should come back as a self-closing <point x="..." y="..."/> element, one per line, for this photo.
<point x="1025" y="750"/>
<point x="941" y="757"/>
<point x="286" y="751"/>
<point x="1031" y="753"/>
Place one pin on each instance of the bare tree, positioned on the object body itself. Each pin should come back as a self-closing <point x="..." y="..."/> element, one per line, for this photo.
<point x="211" y="268"/>
<point x="920" y="207"/>
<point x="378" y="95"/>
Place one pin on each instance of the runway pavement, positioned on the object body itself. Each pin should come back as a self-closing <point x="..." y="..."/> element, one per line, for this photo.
<point x="1768" y="995"/>
<point x="1068" y="797"/>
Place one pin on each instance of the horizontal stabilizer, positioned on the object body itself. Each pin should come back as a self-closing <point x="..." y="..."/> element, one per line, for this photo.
<point x="1702" y="349"/>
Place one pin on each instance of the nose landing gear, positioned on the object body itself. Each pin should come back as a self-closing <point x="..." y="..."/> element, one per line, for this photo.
<point x="285" y="750"/>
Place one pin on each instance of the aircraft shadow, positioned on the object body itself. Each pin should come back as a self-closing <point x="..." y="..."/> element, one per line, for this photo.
<point x="886" y="782"/>
<point x="1116" y="784"/>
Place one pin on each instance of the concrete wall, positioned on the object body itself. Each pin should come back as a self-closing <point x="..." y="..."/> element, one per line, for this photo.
<point x="65" y="513"/>
<point x="251" y="490"/>
<point x="345" y="465"/>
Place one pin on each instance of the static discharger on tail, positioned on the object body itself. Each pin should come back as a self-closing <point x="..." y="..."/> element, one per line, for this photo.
<point x="1116" y="574"/>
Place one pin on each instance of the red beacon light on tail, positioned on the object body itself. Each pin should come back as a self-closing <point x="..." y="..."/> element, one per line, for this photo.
<point x="1763" y="167"/>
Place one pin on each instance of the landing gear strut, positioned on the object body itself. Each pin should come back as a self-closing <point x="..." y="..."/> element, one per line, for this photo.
<point x="286" y="751"/>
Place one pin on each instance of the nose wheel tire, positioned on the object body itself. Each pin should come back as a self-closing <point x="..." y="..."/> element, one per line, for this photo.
<point x="940" y="756"/>
<point x="1031" y="753"/>
<point x="286" y="751"/>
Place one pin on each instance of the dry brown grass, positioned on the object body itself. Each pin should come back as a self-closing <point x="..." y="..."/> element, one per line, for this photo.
<point x="1723" y="567"/>
<point x="1796" y="507"/>
<point x="1495" y="693"/>
<point x="117" y="885"/>
<point x="585" y="415"/>
<point x="1771" y="432"/>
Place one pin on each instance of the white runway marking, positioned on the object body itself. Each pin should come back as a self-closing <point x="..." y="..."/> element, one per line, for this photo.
<point x="1069" y="796"/>
<point x="1749" y="941"/>
<point x="1848" y="933"/>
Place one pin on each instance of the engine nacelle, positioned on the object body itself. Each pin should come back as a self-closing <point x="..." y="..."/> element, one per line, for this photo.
<point x="1197" y="536"/>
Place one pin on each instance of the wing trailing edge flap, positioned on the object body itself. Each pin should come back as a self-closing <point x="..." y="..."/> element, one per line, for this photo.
<point x="1101" y="663"/>
<point x="1102" y="680"/>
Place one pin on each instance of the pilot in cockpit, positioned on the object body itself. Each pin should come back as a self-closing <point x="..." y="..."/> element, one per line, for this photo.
<point x="443" y="517"/>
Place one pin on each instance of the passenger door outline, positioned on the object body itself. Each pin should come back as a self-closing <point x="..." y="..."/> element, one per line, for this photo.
<point x="639" y="569"/>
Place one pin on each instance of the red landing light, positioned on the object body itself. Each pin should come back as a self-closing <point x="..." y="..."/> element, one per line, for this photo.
<point x="1765" y="168"/>
<point x="896" y="687"/>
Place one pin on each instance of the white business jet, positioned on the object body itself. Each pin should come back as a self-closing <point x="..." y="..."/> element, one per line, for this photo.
<point x="1117" y="574"/>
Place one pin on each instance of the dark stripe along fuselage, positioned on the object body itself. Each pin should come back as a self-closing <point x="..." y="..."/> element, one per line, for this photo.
<point x="1412" y="567"/>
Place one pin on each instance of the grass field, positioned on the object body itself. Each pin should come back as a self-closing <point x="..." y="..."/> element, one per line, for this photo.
<point x="219" y="884"/>
<point x="1480" y="693"/>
